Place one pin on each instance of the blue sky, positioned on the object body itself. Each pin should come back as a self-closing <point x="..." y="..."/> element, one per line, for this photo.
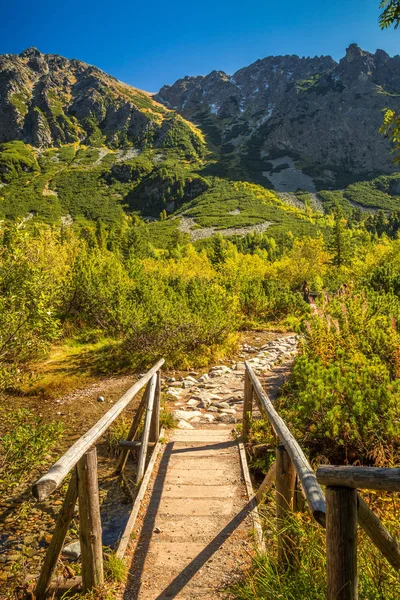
<point x="150" y="43"/>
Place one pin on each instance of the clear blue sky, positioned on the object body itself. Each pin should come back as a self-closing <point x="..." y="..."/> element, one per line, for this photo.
<point x="150" y="43"/>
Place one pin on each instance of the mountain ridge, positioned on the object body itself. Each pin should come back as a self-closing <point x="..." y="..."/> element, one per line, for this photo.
<point x="322" y="113"/>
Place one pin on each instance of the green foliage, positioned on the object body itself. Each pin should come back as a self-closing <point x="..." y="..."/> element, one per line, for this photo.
<point x="390" y="14"/>
<point x="344" y="386"/>
<point x="25" y="443"/>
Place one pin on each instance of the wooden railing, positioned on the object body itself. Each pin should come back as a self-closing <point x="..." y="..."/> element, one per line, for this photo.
<point x="340" y="511"/>
<point x="81" y="459"/>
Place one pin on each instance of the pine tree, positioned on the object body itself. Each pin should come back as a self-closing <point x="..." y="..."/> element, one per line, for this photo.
<point x="339" y="244"/>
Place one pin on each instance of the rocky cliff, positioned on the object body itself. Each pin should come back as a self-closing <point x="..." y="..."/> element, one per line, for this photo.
<point x="47" y="100"/>
<point x="311" y="115"/>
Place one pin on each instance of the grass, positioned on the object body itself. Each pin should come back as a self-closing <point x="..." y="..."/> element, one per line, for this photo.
<point x="115" y="568"/>
<point x="307" y="578"/>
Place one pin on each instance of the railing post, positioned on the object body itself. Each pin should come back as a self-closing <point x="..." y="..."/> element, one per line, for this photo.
<point x="146" y="430"/>
<point x="89" y="521"/>
<point x="247" y="406"/>
<point x="155" y="421"/>
<point x="341" y="543"/>
<point x="57" y="541"/>
<point x="285" y="482"/>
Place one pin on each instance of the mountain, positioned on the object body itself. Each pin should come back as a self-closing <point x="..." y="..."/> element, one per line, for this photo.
<point x="47" y="100"/>
<point x="285" y="121"/>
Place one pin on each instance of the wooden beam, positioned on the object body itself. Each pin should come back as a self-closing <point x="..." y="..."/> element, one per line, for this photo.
<point x="378" y="534"/>
<point x="155" y="421"/>
<point x="341" y="543"/>
<point x="56" y="474"/>
<point x="258" y="532"/>
<point x="146" y="430"/>
<point x="124" y="541"/>
<point x="126" y="444"/>
<point x="364" y="478"/>
<point x="57" y="541"/>
<point x="284" y="485"/>
<point x="267" y="482"/>
<point x="247" y="407"/>
<point x="89" y="521"/>
<point x="311" y="488"/>
<point x="137" y="419"/>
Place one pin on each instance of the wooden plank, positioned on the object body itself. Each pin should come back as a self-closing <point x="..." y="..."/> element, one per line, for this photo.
<point x="61" y="587"/>
<point x="57" y="541"/>
<point x="311" y="488"/>
<point x="341" y="543"/>
<point x="89" y="521"/>
<point x="126" y="444"/>
<point x="155" y="421"/>
<point x="146" y="431"/>
<point x="364" y="478"/>
<point x="123" y="457"/>
<point x="378" y="534"/>
<point x="285" y="478"/>
<point x="56" y="474"/>
<point x="124" y="541"/>
<point x="260" y="544"/>
<point x="247" y="407"/>
<point x="267" y="482"/>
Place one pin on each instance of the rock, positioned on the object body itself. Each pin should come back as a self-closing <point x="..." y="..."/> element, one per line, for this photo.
<point x="193" y="374"/>
<point x="220" y="368"/>
<point x="182" y="424"/>
<point x="227" y="411"/>
<point x="190" y="378"/>
<point x="221" y="404"/>
<point x="170" y="379"/>
<point x="240" y="366"/>
<point x="175" y="384"/>
<point x="100" y="398"/>
<point x="157" y="530"/>
<point x="212" y="409"/>
<point x="205" y="403"/>
<point x="226" y="418"/>
<point x="72" y="550"/>
<point x="192" y="402"/>
<point x="203" y="378"/>
<point x="186" y="415"/>
<point x="188" y="384"/>
<point x="208" y="418"/>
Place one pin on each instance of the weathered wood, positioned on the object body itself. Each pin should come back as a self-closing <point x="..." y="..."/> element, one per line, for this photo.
<point x="378" y="534"/>
<point x="267" y="482"/>
<point x="146" y="430"/>
<point x="123" y="457"/>
<point x="341" y="543"/>
<point x="57" y="541"/>
<point x="124" y="541"/>
<point x="311" y="488"/>
<point x="89" y="521"/>
<point x="56" y="474"/>
<point x="285" y="476"/>
<point x="247" y="407"/>
<point x="126" y="444"/>
<point x="364" y="478"/>
<point x="61" y="587"/>
<point x="258" y="532"/>
<point x="155" y="421"/>
<point x="299" y="502"/>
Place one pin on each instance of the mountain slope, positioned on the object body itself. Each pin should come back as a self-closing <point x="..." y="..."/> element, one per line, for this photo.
<point x="323" y="115"/>
<point x="47" y="100"/>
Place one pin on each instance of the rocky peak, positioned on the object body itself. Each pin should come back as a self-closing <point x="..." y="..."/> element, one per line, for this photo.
<point x="46" y="100"/>
<point x="326" y="114"/>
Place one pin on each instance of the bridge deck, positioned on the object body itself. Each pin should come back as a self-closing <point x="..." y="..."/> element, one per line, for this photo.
<point x="194" y="536"/>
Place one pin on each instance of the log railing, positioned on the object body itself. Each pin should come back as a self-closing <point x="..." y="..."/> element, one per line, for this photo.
<point x="81" y="459"/>
<point x="340" y="511"/>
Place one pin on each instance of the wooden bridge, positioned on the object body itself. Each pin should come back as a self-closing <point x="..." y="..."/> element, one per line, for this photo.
<point x="193" y="504"/>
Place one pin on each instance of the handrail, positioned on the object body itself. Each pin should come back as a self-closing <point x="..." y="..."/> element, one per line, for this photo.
<point x="374" y="478"/>
<point x="312" y="489"/>
<point x="81" y="459"/>
<point x="57" y="473"/>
